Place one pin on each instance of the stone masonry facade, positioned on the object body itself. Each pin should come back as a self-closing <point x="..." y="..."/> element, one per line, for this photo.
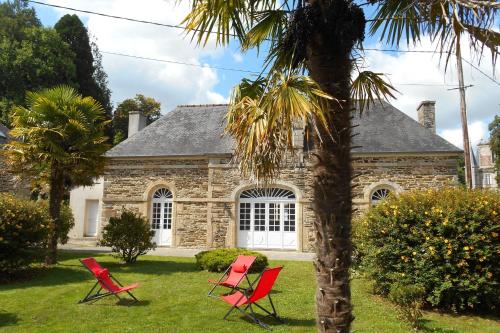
<point x="206" y="190"/>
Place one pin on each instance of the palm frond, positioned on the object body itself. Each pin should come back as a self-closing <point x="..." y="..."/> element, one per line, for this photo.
<point x="369" y="87"/>
<point x="270" y="25"/>
<point x="445" y="21"/>
<point x="223" y="18"/>
<point x="262" y="122"/>
<point x="58" y="125"/>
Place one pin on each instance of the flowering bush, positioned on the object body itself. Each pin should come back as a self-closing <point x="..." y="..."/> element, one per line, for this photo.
<point x="446" y="240"/>
<point x="24" y="227"/>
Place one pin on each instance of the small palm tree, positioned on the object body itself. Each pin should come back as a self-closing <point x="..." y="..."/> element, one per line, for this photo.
<point x="58" y="139"/>
<point x="318" y="37"/>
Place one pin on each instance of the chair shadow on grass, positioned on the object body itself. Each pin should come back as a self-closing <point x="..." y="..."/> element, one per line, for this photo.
<point x="273" y="322"/>
<point x="8" y="319"/>
<point x="73" y="272"/>
<point x="424" y="328"/>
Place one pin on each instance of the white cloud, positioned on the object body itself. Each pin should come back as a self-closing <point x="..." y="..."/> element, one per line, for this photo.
<point x="238" y="57"/>
<point x="172" y="84"/>
<point x="477" y="131"/>
<point x="483" y="99"/>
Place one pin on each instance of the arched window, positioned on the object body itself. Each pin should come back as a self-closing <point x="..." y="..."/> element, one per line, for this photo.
<point x="267" y="218"/>
<point x="161" y="216"/>
<point x="379" y="195"/>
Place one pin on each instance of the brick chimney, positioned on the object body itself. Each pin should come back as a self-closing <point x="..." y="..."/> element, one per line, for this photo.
<point x="427" y="115"/>
<point x="136" y="122"/>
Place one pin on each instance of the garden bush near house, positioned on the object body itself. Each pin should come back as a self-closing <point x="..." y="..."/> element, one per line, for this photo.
<point x="128" y="235"/>
<point x="409" y="300"/>
<point x="24" y="227"/>
<point x="447" y="240"/>
<point x="219" y="260"/>
<point x="67" y="221"/>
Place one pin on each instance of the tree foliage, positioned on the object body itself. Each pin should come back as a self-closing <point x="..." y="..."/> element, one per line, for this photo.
<point x="90" y="76"/>
<point x="59" y="138"/>
<point x="31" y="56"/>
<point x="494" y="128"/>
<point x="148" y="106"/>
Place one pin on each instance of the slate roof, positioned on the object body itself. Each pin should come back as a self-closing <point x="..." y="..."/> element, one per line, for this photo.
<point x="196" y="130"/>
<point x="4" y="133"/>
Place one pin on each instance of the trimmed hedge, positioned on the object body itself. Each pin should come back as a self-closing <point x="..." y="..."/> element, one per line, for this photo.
<point x="446" y="240"/>
<point x="24" y="227"/>
<point x="219" y="260"/>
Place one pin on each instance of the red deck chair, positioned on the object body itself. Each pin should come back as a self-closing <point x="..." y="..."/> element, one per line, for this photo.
<point x="234" y="274"/>
<point x="105" y="281"/>
<point x="263" y="289"/>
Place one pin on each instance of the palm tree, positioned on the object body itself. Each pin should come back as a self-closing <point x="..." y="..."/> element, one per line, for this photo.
<point x="59" y="139"/>
<point x="319" y="37"/>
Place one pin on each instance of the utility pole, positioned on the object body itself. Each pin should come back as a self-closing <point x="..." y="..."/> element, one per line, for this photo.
<point x="463" y="116"/>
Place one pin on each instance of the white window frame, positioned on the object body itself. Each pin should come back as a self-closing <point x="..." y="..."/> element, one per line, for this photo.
<point x="282" y="198"/>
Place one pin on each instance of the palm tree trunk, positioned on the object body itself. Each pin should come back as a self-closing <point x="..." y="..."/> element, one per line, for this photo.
<point x="55" y="199"/>
<point x="329" y="64"/>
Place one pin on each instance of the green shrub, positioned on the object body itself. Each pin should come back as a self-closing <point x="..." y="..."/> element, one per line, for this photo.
<point x="447" y="240"/>
<point x="67" y="221"/>
<point x="129" y="236"/>
<point x="408" y="299"/>
<point x="219" y="260"/>
<point x="24" y="227"/>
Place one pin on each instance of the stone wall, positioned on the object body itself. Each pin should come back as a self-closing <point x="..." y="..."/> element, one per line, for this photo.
<point x="206" y="191"/>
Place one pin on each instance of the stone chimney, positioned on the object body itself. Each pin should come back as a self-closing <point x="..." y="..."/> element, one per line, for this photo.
<point x="427" y="115"/>
<point x="136" y="122"/>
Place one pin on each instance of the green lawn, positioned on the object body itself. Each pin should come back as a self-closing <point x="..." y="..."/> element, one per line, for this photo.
<point x="173" y="299"/>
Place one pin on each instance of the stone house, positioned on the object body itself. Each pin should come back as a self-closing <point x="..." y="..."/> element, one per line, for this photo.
<point x="177" y="172"/>
<point x="483" y="168"/>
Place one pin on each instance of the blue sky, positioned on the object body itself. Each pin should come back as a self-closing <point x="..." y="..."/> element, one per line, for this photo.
<point x="417" y="76"/>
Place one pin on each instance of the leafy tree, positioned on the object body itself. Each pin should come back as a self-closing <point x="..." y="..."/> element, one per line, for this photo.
<point x="494" y="128"/>
<point x="90" y="76"/>
<point x="17" y="16"/>
<point x="461" y="171"/>
<point x="318" y="37"/>
<point x="31" y="56"/>
<point x="148" y="106"/>
<point x="60" y="136"/>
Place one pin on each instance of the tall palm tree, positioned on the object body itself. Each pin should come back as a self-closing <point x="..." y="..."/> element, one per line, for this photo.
<point x="58" y="138"/>
<point x="318" y="37"/>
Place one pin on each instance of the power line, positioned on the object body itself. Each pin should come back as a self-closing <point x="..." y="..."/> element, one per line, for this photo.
<point x="244" y="70"/>
<point x="183" y="28"/>
<point x="181" y="63"/>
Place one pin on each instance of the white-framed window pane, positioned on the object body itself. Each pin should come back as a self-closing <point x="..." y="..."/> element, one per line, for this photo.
<point x="289" y="218"/>
<point x="274" y="217"/>
<point x="260" y="217"/>
<point x="156" y="216"/>
<point x="167" y="215"/>
<point x="245" y="210"/>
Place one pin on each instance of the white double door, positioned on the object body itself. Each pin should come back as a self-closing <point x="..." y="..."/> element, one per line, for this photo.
<point x="161" y="222"/>
<point x="268" y="225"/>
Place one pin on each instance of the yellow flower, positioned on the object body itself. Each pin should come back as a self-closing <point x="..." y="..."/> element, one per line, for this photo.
<point x="494" y="234"/>
<point x="427" y="238"/>
<point x="466" y="248"/>
<point x="414" y="253"/>
<point x="446" y="241"/>
<point x="449" y="252"/>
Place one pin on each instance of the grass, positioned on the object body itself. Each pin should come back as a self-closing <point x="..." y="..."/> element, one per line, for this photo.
<point x="173" y="299"/>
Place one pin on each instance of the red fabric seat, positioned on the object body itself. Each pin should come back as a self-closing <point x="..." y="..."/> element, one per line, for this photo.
<point x="263" y="289"/>
<point x="235" y="273"/>
<point x="106" y="281"/>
